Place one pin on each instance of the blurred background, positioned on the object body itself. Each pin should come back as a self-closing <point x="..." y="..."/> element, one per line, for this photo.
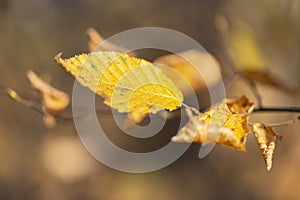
<point x="41" y="163"/>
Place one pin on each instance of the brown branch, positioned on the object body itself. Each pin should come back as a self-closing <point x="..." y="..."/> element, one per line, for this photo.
<point x="37" y="107"/>
<point x="277" y="109"/>
<point x="286" y="123"/>
<point x="280" y="109"/>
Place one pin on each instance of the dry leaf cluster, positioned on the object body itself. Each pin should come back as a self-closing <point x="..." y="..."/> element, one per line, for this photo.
<point x="53" y="101"/>
<point x="225" y="123"/>
<point x="228" y="124"/>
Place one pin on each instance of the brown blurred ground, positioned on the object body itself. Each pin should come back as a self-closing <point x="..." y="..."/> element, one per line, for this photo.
<point x="37" y="163"/>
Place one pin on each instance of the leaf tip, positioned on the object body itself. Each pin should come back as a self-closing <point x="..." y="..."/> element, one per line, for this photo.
<point x="58" y="58"/>
<point x="31" y="75"/>
<point x="90" y="30"/>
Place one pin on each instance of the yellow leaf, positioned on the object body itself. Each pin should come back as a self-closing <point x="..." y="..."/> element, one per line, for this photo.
<point x="127" y="84"/>
<point x="266" y="139"/>
<point x="245" y="47"/>
<point x="218" y="125"/>
<point x="98" y="43"/>
<point x="185" y="64"/>
<point x="248" y="56"/>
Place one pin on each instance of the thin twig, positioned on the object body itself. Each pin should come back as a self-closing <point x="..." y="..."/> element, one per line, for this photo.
<point x="37" y="107"/>
<point x="277" y="109"/>
<point x="22" y="100"/>
<point x="280" y="109"/>
<point x="221" y="25"/>
<point x="280" y="124"/>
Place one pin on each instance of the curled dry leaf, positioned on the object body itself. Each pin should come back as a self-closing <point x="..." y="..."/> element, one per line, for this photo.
<point x="54" y="101"/>
<point x="185" y="64"/>
<point x="240" y="105"/>
<point x="218" y="125"/>
<point x="98" y="43"/>
<point x="244" y="46"/>
<point x="266" y="139"/>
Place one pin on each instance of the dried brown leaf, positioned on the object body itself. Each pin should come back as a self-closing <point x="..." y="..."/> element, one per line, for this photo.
<point x="266" y="139"/>
<point x="54" y="101"/>
<point x="240" y="105"/>
<point x="218" y="125"/>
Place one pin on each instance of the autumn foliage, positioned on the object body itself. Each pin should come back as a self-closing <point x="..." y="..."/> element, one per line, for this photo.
<point x="139" y="87"/>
